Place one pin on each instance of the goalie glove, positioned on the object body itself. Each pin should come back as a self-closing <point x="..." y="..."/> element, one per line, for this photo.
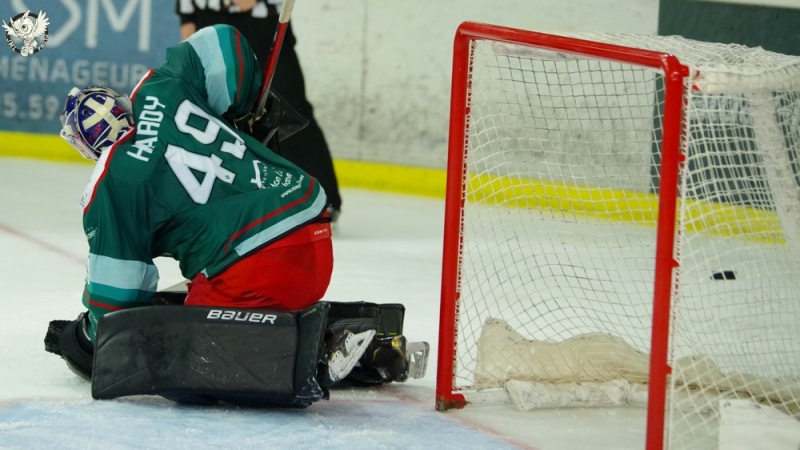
<point x="279" y="122"/>
<point x="69" y="339"/>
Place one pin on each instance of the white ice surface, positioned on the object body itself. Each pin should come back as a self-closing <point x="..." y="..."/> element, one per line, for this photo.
<point x="388" y="250"/>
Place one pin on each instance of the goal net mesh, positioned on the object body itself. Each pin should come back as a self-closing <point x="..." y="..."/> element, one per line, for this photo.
<point x="558" y="235"/>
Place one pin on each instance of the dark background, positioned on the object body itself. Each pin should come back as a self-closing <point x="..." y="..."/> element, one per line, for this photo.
<point x="773" y="28"/>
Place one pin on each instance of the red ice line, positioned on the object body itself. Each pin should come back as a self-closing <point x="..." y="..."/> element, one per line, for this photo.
<point x="41" y="244"/>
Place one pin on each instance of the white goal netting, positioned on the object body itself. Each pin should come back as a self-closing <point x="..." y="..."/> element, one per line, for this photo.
<point x="558" y="239"/>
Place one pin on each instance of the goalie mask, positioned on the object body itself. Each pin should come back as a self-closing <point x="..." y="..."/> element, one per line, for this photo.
<point x="94" y="118"/>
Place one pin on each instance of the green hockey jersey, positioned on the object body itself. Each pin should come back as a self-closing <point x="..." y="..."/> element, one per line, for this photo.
<point x="184" y="183"/>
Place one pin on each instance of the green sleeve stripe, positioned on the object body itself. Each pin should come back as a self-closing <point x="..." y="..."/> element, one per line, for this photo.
<point x="206" y="44"/>
<point x="230" y="56"/>
<point x="117" y="297"/>
<point x="99" y="306"/>
<point x="122" y="274"/>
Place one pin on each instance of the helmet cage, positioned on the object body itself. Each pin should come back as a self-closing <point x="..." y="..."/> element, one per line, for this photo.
<point x="95" y="118"/>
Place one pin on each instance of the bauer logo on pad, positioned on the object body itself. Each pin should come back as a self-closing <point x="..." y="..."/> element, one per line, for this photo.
<point x="241" y="316"/>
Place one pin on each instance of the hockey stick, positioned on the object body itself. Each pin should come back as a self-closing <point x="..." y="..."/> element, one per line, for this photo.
<point x="272" y="61"/>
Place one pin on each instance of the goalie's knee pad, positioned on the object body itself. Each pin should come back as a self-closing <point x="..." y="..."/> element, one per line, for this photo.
<point x="69" y="339"/>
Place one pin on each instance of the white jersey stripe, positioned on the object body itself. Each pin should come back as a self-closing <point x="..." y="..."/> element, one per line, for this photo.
<point x="206" y="44"/>
<point x="122" y="274"/>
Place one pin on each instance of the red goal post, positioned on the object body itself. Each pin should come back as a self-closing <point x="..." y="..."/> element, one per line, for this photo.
<point x="675" y="84"/>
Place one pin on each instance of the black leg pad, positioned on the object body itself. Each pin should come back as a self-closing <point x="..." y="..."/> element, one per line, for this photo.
<point x="389" y="316"/>
<point x="242" y="356"/>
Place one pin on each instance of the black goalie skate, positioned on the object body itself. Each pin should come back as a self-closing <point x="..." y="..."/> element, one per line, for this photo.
<point x="396" y="359"/>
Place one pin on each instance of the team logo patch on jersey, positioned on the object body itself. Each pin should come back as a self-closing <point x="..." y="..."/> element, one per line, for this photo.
<point x="27" y="33"/>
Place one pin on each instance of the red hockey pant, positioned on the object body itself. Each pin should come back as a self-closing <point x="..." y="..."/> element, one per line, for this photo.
<point x="290" y="274"/>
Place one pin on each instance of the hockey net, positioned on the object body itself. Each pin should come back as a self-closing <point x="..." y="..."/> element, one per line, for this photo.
<point x="575" y="273"/>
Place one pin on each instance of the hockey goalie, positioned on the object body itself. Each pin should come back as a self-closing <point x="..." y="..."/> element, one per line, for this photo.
<point x="178" y="175"/>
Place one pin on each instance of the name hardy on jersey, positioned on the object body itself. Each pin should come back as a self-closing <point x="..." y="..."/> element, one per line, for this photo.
<point x="147" y="124"/>
<point x="241" y="316"/>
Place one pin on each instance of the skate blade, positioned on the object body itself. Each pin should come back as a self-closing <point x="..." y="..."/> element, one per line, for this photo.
<point x="417" y="355"/>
